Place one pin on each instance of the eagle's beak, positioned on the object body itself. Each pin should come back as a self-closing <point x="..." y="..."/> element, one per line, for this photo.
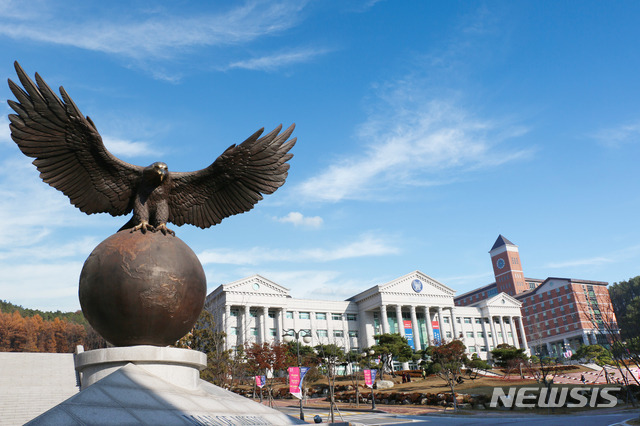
<point x="162" y="173"/>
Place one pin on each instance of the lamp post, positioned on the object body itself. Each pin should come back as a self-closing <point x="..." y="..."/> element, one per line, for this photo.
<point x="289" y="337"/>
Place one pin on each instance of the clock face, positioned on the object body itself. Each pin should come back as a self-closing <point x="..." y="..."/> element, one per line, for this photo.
<point x="500" y="263"/>
<point x="416" y="285"/>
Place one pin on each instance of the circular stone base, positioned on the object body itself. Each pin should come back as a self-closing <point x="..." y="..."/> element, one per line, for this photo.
<point x="180" y="367"/>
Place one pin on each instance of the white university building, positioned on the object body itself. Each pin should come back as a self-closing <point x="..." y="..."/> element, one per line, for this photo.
<point x="257" y="310"/>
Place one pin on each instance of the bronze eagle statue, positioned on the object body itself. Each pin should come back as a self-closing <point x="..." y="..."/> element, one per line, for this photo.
<point x="71" y="157"/>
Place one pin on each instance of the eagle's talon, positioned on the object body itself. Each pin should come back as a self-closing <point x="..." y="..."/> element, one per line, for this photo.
<point x="143" y="227"/>
<point x="163" y="228"/>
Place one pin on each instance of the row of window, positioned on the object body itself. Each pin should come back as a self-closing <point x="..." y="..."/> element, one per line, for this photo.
<point x="321" y="333"/>
<point x="301" y="315"/>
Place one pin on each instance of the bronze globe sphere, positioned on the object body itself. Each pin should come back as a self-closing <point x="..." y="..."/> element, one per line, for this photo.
<point x="142" y="289"/>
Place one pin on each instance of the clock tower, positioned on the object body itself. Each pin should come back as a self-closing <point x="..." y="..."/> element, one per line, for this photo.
<point x="507" y="268"/>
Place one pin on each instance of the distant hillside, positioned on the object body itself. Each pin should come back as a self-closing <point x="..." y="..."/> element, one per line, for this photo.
<point x="74" y="317"/>
<point x="32" y="330"/>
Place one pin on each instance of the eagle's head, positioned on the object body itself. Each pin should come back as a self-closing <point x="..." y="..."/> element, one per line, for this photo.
<point x="157" y="172"/>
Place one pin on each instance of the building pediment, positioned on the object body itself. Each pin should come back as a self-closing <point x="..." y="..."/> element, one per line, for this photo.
<point x="256" y="285"/>
<point x="499" y="300"/>
<point x="416" y="283"/>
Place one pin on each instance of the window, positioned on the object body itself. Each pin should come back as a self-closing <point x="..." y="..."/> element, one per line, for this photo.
<point x="467" y="320"/>
<point x="445" y="320"/>
<point x="254" y="331"/>
<point x="478" y="321"/>
<point x="234" y="331"/>
<point x="306" y="332"/>
<point x="489" y="334"/>
<point x="448" y="335"/>
<point x="289" y="315"/>
<point x="234" y="312"/>
<point x="336" y="317"/>
<point x="321" y="315"/>
<point x="472" y="349"/>
<point x="272" y="314"/>
<point x="352" y="317"/>
<point x="470" y="334"/>
<point x="304" y="315"/>
<point x="272" y="332"/>
<point x="338" y="333"/>
<point x="480" y="334"/>
<point x="458" y="320"/>
<point x="323" y="333"/>
<point x="353" y="333"/>
<point x="253" y="313"/>
<point x="483" y="348"/>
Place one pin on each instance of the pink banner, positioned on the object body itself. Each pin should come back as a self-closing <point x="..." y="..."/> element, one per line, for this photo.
<point x="367" y="378"/>
<point x="294" y="382"/>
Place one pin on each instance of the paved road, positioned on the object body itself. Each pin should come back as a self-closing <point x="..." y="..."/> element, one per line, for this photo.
<point x="369" y="418"/>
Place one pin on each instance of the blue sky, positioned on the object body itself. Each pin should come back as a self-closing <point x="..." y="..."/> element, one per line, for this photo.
<point x="425" y="130"/>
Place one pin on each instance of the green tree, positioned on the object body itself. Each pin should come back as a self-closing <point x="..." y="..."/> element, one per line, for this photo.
<point x="447" y="362"/>
<point x="595" y="354"/>
<point x="390" y="347"/>
<point x="509" y="357"/>
<point x="204" y="338"/>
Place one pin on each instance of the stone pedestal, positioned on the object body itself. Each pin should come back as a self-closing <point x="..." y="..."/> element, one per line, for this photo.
<point x="181" y="367"/>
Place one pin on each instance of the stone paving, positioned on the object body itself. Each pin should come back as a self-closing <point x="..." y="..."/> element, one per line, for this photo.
<point x="32" y="383"/>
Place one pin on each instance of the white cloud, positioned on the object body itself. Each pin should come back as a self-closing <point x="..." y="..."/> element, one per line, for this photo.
<point x="365" y="246"/>
<point x="593" y="261"/>
<point x="41" y="285"/>
<point x="298" y="219"/>
<point x="127" y="148"/>
<point x="277" y="61"/>
<point x="615" y="136"/>
<point x="5" y="133"/>
<point x="155" y="34"/>
<point x="412" y="146"/>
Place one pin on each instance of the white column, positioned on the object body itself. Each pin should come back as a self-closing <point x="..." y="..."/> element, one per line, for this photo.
<point x="345" y="333"/>
<point x="504" y="334"/>
<point x="263" y="327"/>
<point x="549" y="349"/>
<point x="585" y="339"/>
<point x="384" y="319"/>
<point x="416" y="329"/>
<point x="245" y="325"/>
<point x="227" y="319"/>
<point x="227" y="326"/>
<point x="453" y="325"/>
<point x="523" y="335"/>
<point x="485" y="334"/>
<point x="440" y="324"/>
<point x="280" y="326"/>
<point x="314" y="334"/>
<point x="399" y="320"/>
<point x="494" y="335"/>
<point x="514" y="334"/>
<point x="427" y="318"/>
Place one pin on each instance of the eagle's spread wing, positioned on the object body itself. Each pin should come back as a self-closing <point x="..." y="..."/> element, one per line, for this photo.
<point x="68" y="150"/>
<point x="234" y="183"/>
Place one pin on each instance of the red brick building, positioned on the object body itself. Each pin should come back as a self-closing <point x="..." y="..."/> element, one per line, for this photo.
<point x="559" y="314"/>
